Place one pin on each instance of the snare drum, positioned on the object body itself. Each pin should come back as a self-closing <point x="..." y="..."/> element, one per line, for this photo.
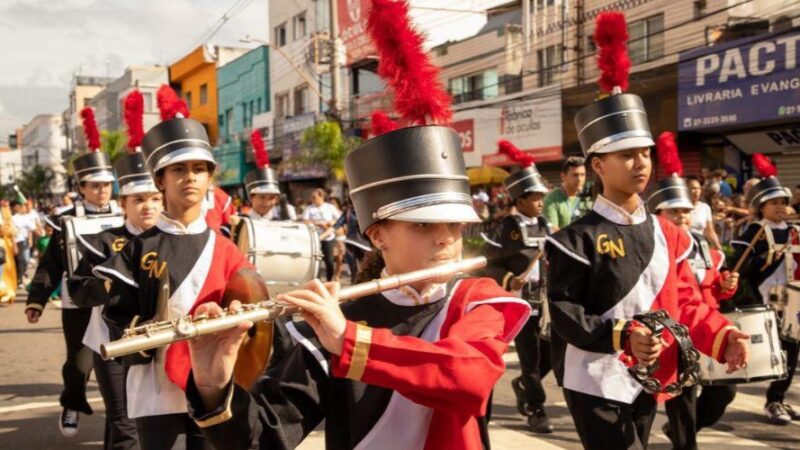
<point x="767" y="361"/>
<point x="76" y="227"/>
<point x="790" y="323"/>
<point x="286" y="254"/>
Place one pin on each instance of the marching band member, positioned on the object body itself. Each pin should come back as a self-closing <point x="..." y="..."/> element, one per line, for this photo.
<point x="164" y="273"/>
<point x="672" y="200"/>
<point x="263" y="188"/>
<point x="141" y="204"/>
<point x="768" y="270"/>
<point x="411" y="368"/>
<point x="514" y="256"/>
<point x="616" y="262"/>
<point x="94" y="174"/>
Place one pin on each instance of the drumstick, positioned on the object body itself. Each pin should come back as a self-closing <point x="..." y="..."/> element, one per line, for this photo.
<point x="748" y="250"/>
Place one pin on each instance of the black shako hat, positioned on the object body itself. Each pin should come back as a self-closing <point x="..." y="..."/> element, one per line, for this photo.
<point x="93" y="167"/>
<point x="132" y="175"/>
<point x="174" y="141"/>
<point x="670" y="193"/>
<point x="262" y="181"/>
<point x="524" y="181"/>
<point x="413" y="174"/>
<point x="613" y="123"/>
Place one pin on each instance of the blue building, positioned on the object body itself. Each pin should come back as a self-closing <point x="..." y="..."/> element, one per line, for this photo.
<point x="243" y="93"/>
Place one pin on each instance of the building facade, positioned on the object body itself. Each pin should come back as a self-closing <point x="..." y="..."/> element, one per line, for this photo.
<point x="243" y="93"/>
<point x="10" y="166"/>
<point x="195" y="77"/>
<point x="109" y="105"/>
<point x="43" y="144"/>
<point x="82" y="89"/>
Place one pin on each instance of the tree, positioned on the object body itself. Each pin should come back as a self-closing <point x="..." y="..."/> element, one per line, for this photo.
<point x="113" y="143"/>
<point x="37" y="182"/>
<point x="324" y="144"/>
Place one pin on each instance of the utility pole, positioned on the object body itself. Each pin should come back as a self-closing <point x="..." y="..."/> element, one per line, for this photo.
<point x="335" y="63"/>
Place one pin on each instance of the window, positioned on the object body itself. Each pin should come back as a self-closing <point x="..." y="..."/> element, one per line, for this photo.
<point x="646" y="41"/>
<point x="300" y="26"/>
<point x="280" y="35"/>
<point x="541" y="3"/>
<point x="549" y="60"/>
<point x="203" y="94"/>
<point x="244" y="115"/>
<point x="301" y="100"/>
<point x="479" y="86"/>
<point x="229" y="122"/>
<point x="188" y="98"/>
<point x="148" y="101"/>
<point x="282" y="105"/>
<point x="512" y="83"/>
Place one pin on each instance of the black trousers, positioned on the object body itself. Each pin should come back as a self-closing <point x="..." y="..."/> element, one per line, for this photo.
<point x="604" y="424"/>
<point x="777" y="389"/>
<point x="534" y="362"/>
<point x="327" y="257"/>
<point x="120" y="431"/>
<point x="21" y="261"/>
<point x="78" y="366"/>
<point x="163" y="433"/>
<point x="689" y="413"/>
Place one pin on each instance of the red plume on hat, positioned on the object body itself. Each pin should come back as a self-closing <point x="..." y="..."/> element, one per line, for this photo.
<point x="518" y="156"/>
<point x="668" y="157"/>
<point x="611" y="36"/>
<point x="764" y="166"/>
<point x="381" y="123"/>
<point x="259" y="149"/>
<point x="90" y="129"/>
<point x="419" y="96"/>
<point x="134" y="119"/>
<point x="169" y="104"/>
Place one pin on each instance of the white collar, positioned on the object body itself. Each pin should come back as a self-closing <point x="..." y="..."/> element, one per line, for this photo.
<point x="408" y="296"/>
<point x="253" y="214"/>
<point x="172" y="226"/>
<point x="94" y="208"/>
<point x="616" y="214"/>
<point x="782" y="225"/>
<point x="527" y="220"/>
<point x="133" y="229"/>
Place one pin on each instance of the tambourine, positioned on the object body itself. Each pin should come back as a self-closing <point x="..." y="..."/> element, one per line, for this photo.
<point x="688" y="356"/>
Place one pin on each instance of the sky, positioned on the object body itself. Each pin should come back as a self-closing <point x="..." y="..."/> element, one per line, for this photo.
<point x="44" y="42"/>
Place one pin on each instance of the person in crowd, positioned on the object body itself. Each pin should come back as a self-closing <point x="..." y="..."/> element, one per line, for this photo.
<point x="702" y="216"/>
<point x="323" y="215"/>
<point x="564" y="205"/>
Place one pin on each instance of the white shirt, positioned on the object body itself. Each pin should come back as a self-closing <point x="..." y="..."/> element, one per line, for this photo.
<point x="25" y="225"/>
<point x="701" y="215"/>
<point x="325" y="212"/>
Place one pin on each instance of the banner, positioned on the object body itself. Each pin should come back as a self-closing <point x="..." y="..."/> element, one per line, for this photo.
<point x="353" y="29"/>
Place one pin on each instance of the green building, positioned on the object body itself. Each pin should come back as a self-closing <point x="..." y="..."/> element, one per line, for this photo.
<point x="243" y="93"/>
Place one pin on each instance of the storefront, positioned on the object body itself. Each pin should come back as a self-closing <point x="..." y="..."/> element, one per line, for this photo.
<point x="740" y="98"/>
<point x="296" y="179"/>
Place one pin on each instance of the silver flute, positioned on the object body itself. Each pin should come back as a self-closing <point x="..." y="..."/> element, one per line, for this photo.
<point x="158" y="334"/>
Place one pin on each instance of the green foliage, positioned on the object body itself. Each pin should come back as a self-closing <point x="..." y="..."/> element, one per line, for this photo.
<point x="325" y="145"/>
<point x="37" y="181"/>
<point x="114" y="143"/>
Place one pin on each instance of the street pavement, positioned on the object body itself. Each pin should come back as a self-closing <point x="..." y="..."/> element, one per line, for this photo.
<point x="30" y="382"/>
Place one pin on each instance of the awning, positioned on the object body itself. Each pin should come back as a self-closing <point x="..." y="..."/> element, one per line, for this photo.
<point x="486" y="175"/>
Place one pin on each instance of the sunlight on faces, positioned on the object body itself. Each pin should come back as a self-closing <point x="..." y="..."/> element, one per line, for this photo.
<point x="142" y="209"/>
<point x="695" y="190"/>
<point x="96" y="193"/>
<point x="681" y="217"/>
<point x="263" y="203"/>
<point x="531" y="205"/>
<point x="409" y="246"/>
<point x="774" y="210"/>
<point x="626" y="171"/>
<point x="184" y="184"/>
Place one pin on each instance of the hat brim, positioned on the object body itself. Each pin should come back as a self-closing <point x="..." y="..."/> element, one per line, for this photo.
<point x="625" y="144"/>
<point x="777" y="193"/>
<point x="541" y="189"/>
<point x="143" y="188"/>
<point x="186" y="154"/>
<point x="271" y="189"/>
<point x="677" y="203"/>
<point x="441" y="213"/>
<point x="99" y="177"/>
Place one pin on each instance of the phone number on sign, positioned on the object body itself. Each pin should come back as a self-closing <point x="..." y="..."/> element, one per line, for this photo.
<point x="714" y="120"/>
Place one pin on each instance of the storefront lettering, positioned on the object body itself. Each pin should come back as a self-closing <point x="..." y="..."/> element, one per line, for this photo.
<point x="760" y="59"/>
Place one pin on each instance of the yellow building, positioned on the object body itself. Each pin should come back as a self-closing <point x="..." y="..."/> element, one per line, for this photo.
<point x="195" y="77"/>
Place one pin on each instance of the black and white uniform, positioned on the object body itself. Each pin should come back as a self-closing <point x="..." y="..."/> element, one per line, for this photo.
<point x="196" y="262"/>
<point x="89" y="291"/>
<point x="50" y="274"/>
<point x="765" y="278"/>
<point x="604" y="269"/>
<point x="513" y="246"/>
